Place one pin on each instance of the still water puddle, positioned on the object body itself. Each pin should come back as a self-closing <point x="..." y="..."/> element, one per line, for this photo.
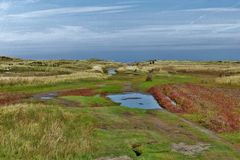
<point x="111" y="71"/>
<point x="135" y="100"/>
<point x="48" y="96"/>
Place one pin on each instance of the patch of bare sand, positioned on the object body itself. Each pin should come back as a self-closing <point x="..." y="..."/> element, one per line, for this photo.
<point x="117" y="158"/>
<point x="190" y="150"/>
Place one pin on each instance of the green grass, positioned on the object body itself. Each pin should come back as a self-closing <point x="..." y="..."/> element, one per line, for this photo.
<point x="108" y="85"/>
<point x="49" y="88"/>
<point x="48" y="132"/>
<point x="112" y="85"/>
<point x="232" y="137"/>
<point x="92" y="101"/>
<point x="111" y="88"/>
<point x="162" y="79"/>
<point x="40" y="132"/>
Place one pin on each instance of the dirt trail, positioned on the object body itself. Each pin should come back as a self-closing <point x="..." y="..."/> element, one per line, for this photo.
<point x="210" y="133"/>
<point x="117" y="158"/>
<point x="172" y="129"/>
<point x="203" y="130"/>
<point x="127" y="87"/>
<point x="68" y="103"/>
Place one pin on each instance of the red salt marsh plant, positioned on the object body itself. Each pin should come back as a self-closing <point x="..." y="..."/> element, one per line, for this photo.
<point x="168" y="94"/>
<point x="225" y="122"/>
<point x="217" y="107"/>
<point x="164" y="100"/>
<point x="7" y="98"/>
<point x="78" y="92"/>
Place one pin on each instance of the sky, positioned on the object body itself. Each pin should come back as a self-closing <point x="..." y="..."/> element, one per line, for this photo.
<point x="121" y="30"/>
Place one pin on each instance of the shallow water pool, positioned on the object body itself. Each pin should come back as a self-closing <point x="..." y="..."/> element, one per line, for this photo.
<point x="135" y="100"/>
<point x="111" y="71"/>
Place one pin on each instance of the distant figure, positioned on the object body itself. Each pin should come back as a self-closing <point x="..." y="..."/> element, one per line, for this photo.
<point x="149" y="76"/>
<point x="152" y="61"/>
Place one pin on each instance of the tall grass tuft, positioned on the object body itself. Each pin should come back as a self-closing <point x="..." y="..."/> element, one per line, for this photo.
<point x="230" y="80"/>
<point x="44" y="132"/>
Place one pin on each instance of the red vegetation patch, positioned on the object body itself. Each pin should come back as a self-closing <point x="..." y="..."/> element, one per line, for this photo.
<point x="8" y="98"/>
<point x="218" y="106"/>
<point x="78" y="92"/>
<point x="164" y="100"/>
<point x="225" y="121"/>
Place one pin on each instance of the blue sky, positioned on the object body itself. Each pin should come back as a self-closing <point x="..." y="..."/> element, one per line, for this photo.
<point x="125" y="30"/>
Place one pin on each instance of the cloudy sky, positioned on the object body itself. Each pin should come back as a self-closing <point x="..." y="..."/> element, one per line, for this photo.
<point x="125" y="30"/>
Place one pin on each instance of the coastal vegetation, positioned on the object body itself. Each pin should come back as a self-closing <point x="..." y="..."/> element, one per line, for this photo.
<point x="59" y="109"/>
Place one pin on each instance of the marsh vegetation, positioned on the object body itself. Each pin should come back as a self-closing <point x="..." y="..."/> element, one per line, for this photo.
<point x="200" y="118"/>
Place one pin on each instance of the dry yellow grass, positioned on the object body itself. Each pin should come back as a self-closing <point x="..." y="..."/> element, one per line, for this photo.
<point x="217" y="68"/>
<point x="50" y="79"/>
<point x="231" y="80"/>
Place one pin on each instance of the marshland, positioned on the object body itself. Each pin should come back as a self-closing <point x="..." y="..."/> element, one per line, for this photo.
<point x="63" y="109"/>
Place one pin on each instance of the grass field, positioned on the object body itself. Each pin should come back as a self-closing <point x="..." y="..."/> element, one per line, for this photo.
<point x="79" y="122"/>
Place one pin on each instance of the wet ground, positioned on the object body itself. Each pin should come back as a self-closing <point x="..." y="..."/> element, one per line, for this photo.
<point x="46" y="96"/>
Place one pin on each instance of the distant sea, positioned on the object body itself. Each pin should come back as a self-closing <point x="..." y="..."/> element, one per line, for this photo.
<point x="131" y="56"/>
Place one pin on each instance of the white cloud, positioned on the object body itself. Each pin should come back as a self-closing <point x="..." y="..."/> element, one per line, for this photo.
<point x="68" y="10"/>
<point x="131" y="2"/>
<point x="174" y="34"/>
<point x="5" y="6"/>
<point x="158" y="36"/>
<point x="227" y="9"/>
<point x="63" y="33"/>
<point x="31" y="1"/>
